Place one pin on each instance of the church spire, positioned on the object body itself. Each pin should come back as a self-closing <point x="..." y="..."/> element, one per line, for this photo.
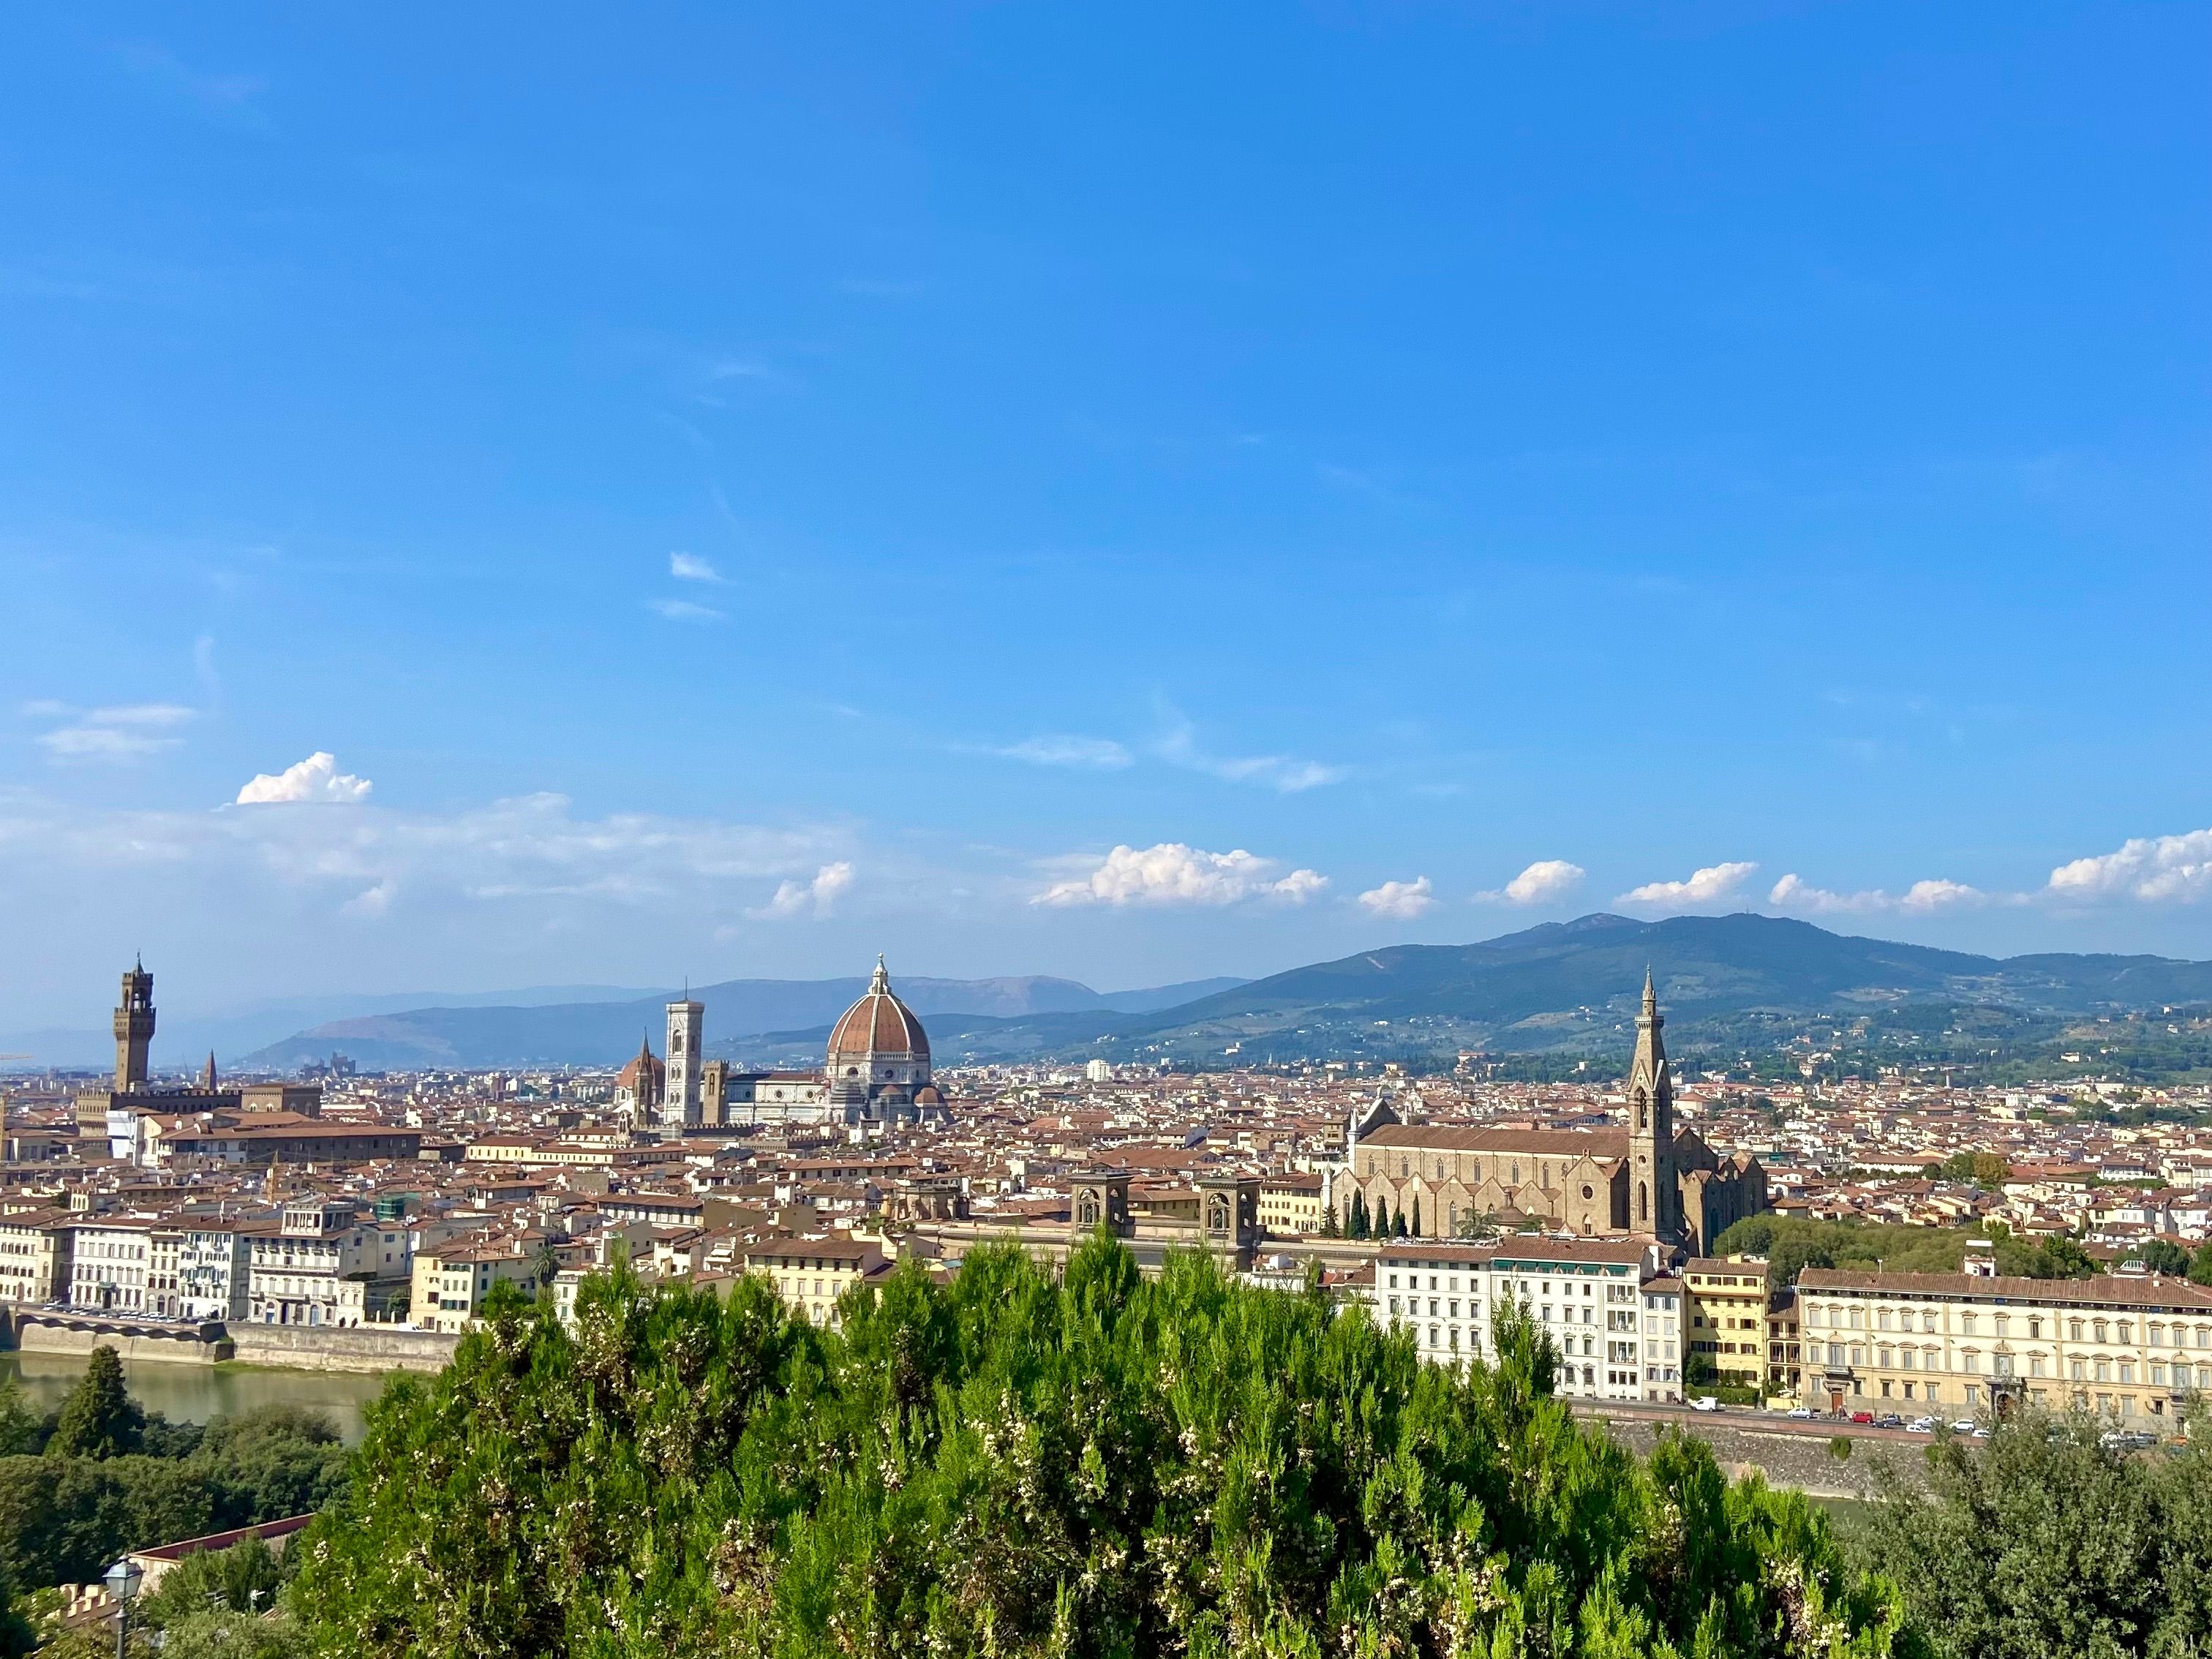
<point x="880" y="983"/>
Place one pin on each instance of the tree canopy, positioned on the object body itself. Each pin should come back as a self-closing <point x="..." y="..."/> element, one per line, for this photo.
<point x="1015" y="1462"/>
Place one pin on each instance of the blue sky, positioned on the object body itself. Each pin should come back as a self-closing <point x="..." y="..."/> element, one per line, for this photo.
<point x="743" y="492"/>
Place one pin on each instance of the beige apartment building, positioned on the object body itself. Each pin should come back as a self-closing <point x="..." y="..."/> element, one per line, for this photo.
<point x="811" y="1273"/>
<point x="1290" y="1205"/>
<point x="451" y="1281"/>
<point x="2135" y="1347"/>
<point x="1728" y="1316"/>
<point x="34" y="1256"/>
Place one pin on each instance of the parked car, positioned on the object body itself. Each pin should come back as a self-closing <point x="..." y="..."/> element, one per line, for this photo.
<point x="1862" y="1417"/>
<point x="1922" y="1426"/>
<point x="1802" y="1412"/>
<point x="1963" y="1426"/>
<point x="1889" y="1420"/>
<point x="1704" y="1402"/>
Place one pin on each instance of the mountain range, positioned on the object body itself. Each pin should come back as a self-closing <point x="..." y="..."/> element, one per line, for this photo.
<point x="601" y="1032"/>
<point x="1563" y="988"/>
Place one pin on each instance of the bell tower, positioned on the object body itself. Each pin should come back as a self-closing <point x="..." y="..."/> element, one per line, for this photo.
<point x="134" y="1028"/>
<point x="1655" y="1195"/>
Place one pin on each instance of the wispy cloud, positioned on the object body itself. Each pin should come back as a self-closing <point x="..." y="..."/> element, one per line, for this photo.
<point x="227" y="96"/>
<point x="815" y="897"/>
<point x="1287" y="774"/>
<point x="112" y="736"/>
<point x="315" y="779"/>
<point x="1545" y="882"/>
<point x="1402" y="900"/>
<point x="1713" y="884"/>
<point x="1065" y="749"/>
<point x="691" y="567"/>
<point x="1172" y="873"/>
<point x="1793" y="893"/>
<point x="684" y="611"/>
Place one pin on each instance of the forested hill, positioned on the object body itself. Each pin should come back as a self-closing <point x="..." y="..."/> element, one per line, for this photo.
<point x="1736" y="981"/>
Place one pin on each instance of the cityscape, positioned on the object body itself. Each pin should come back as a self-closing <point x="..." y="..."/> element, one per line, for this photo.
<point x="1353" y="831"/>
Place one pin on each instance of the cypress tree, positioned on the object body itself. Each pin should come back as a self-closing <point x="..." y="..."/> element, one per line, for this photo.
<point x="99" y="1418"/>
<point x="1417" y="1215"/>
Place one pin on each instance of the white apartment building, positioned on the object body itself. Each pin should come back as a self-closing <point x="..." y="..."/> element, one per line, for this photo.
<point x="321" y="1264"/>
<point x="1616" y="1327"/>
<point x="117" y="1267"/>
<point x="214" y="1268"/>
<point x="2135" y="1348"/>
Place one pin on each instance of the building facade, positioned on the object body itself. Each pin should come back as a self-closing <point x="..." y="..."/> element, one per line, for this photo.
<point x="1727" y="1318"/>
<point x="1645" y="1180"/>
<point x="2133" y="1347"/>
<point x="1613" y="1321"/>
<point x="680" y="1101"/>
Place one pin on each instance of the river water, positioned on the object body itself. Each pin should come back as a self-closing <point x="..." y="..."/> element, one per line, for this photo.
<point x="193" y="1394"/>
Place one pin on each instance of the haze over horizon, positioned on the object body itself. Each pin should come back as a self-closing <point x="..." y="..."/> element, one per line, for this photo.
<point x="1134" y="497"/>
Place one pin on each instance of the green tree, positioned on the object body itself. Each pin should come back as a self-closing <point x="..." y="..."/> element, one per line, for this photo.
<point x="2060" y="1257"/>
<point x="1416" y="1228"/>
<point x="1020" y="1463"/>
<point x="2042" y="1543"/>
<point x="2200" y="1266"/>
<point x="99" y="1418"/>
<point x="22" y="1430"/>
<point x="2163" y="1255"/>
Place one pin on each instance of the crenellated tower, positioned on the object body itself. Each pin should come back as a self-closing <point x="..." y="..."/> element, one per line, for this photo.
<point x="134" y="1028"/>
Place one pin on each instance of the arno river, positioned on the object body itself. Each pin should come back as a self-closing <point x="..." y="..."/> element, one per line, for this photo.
<point x="193" y="1394"/>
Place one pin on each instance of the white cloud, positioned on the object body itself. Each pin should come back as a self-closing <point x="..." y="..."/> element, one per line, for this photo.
<point x="1937" y="894"/>
<point x="1710" y="885"/>
<point x="114" y="736"/>
<point x="1172" y="873"/>
<point x="371" y="903"/>
<point x="1059" y="749"/>
<point x="2153" y="870"/>
<point x="1402" y="899"/>
<point x="1792" y="892"/>
<point x="683" y="611"/>
<point x="1545" y="882"/>
<point x="802" y="897"/>
<point x="314" y="779"/>
<point x="1285" y="774"/>
<point x="691" y="567"/>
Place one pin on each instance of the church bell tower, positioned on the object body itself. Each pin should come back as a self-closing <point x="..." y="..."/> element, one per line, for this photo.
<point x="134" y="1028"/>
<point x="1655" y="1194"/>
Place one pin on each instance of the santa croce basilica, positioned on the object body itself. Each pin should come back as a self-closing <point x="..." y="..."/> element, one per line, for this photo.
<point x="1645" y="1180"/>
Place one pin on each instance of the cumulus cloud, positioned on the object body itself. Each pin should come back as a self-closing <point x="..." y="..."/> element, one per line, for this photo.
<point x="2152" y="869"/>
<point x="1710" y="885"/>
<point x="1285" y="774"/>
<point x="1061" y="749"/>
<point x="1545" y="882"/>
<point x="1172" y="873"/>
<point x="1402" y="899"/>
<point x="113" y="735"/>
<point x="371" y="903"/>
<point x="1792" y="892"/>
<point x="314" y="779"/>
<point x="683" y="611"/>
<point x="814" y="897"/>
<point x="691" y="567"/>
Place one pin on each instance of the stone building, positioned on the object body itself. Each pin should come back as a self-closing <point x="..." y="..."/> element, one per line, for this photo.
<point x="1645" y="1180"/>
<point x="877" y="1063"/>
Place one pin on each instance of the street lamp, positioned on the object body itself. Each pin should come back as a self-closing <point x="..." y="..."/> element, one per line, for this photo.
<point x="123" y="1580"/>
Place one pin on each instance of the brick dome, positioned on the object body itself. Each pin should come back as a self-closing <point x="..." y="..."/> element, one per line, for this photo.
<point x="877" y="1027"/>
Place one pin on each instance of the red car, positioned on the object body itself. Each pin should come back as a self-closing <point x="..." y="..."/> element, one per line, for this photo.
<point x="1862" y="1417"/>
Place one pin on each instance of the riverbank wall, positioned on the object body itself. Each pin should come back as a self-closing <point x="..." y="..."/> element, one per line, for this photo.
<point x="1803" y="1460"/>
<point x="367" y="1348"/>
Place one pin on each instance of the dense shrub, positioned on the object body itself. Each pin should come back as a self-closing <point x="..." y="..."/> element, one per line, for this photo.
<point x="1021" y="1463"/>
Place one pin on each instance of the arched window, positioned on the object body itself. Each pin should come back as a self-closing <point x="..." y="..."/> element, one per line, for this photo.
<point x="1643" y="1202"/>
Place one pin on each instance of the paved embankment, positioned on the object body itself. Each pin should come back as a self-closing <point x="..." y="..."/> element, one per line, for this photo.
<point x="342" y="1348"/>
<point x="1788" y="1452"/>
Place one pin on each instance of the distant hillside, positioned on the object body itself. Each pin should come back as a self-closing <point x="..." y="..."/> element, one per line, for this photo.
<point x="1731" y="985"/>
<point x="1570" y="986"/>
<point x="605" y="1033"/>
